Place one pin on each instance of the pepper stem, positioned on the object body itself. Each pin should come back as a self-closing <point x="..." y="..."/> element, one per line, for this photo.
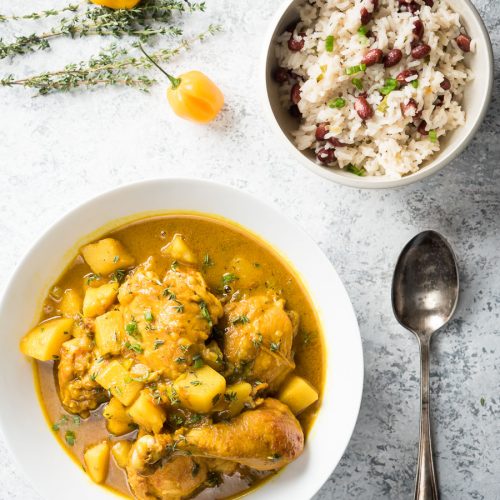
<point x="173" y="80"/>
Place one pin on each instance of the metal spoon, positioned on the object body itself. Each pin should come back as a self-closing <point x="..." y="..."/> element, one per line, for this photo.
<point x="424" y="297"/>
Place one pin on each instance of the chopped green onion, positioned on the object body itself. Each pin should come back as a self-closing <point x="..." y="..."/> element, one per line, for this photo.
<point x="358" y="83"/>
<point x="148" y="316"/>
<point x="414" y="84"/>
<point x="355" y="69"/>
<point x="382" y="107"/>
<point x="336" y="103"/>
<point x="390" y="85"/>
<point x="363" y="30"/>
<point x="432" y="135"/>
<point x="360" y="171"/>
<point x="329" y="42"/>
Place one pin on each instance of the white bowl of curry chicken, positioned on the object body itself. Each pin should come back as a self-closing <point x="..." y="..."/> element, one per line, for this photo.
<point x="178" y="339"/>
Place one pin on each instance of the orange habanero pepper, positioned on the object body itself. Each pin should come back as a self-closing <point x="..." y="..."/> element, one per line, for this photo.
<point x="117" y="4"/>
<point x="193" y="96"/>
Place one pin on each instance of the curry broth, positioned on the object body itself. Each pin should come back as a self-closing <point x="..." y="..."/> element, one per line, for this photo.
<point x="221" y="241"/>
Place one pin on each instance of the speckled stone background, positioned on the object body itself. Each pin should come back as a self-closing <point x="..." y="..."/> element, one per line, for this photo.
<point x="59" y="150"/>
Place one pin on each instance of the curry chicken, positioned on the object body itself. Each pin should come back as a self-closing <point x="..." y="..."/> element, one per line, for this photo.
<point x="179" y="356"/>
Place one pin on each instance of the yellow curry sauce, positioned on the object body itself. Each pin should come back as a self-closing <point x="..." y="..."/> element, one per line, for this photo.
<point x="223" y="252"/>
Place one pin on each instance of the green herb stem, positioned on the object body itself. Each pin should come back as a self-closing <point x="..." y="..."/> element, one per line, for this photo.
<point x="175" y="82"/>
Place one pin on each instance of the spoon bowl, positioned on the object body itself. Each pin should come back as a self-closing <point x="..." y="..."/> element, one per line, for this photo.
<point x="425" y="284"/>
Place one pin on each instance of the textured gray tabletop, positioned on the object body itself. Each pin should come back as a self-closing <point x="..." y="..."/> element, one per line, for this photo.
<point x="59" y="150"/>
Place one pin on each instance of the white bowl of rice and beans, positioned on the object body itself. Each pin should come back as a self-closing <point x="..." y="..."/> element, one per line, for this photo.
<point x="378" y="93"/>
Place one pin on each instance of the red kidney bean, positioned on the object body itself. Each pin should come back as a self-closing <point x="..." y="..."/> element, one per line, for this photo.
<point x="296" y="44"/>
<point x="362" y="107"/>
<point x="439" y="101"/>
<point x="421" y="128"/>
<point x="335" y="142"/>
<point x="418" y="28"/>
<point x="404" y="75"/>
<point x="463" y="41"/>
<point x="325" y="155"/>
<point x="429" y="3"/>
<point x="413" y="7"/>
<point x="373" y="56"/>
<point x="295" y="94"/>
<point x="295" y="111"/>
<point x="281" y="75"/>
<point x="406" y="109"/>
<point x="322" y="130"/>
<point x="445" y="84"/>
<point x="392" y="58"/>
<point x="366" y="16"/>
<point x="421" y="51"/>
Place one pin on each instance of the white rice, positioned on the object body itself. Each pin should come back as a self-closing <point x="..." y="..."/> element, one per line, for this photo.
<point x="388" y="143"/>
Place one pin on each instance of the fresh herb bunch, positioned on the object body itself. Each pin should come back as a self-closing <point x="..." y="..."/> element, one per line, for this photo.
<point x="143" y="21"/>
<point x="113" y="66"/>
<point x="39" y="15"/>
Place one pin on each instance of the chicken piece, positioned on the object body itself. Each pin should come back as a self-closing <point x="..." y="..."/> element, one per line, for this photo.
<point x="171" y="479"/>
<point x="266" y="438"/>
<point x="79" y="392"/>
<point x="258" y="338"/>
<point x="165" y="317"/>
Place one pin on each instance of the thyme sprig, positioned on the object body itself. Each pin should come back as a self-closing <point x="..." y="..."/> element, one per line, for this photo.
<point x="113" y="66"/>
<point x="141" y="21"/>
<point x="39" y="15"/>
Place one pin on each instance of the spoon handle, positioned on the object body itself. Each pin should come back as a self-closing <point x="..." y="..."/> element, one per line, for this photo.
<point x="426" y="485"/>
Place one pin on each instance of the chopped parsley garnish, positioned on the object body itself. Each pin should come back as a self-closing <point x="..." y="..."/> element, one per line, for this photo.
<point x="168" y="293"/>
<point x="433" y="136"/>
<point x="329" y="43"/>
<point x="76" y="419"/>
<point x="352" y="70"/>
<point x="93" y="277"/>
<point x="414" y="84"/>
<point x="257" y="341"/>
<point x="179" y="308"/>
<point x="116" y="258"/>
<point x="158" y="343"/>
<point x="174" y="397"/>
<point x="231" y="396"/>
<point x="197" y="361"/>
<point x="336" y="103"/>
<point x="148" y="316"/>
<point x="207" y="261"/>
<point x="275" y="346"/>
<point x="176" y="420"/>
<point x="358" y="83"/>
<point x="205" y="313"/>
<point x="131" y="328"/>
<point x="196" y="382"/>
<point x="194" y="419"/>
<point x="360" y="171"/>
<point x="215" y="399"/>
<point x="240" y="320"/>
<point x="118" y="275"/>
<point x="70" y="437"/>
<point x="180" y="360"/>
<point x="62" y="421"/>
<point x="229" y="278"/>
<point x="390" y="85"/>
<point x="137" y="348"/>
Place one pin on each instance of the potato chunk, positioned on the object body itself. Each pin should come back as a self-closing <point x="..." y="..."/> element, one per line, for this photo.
<point x="45" y="340"/>
<point x="121" y="451"/>
<point x="201" y="389"/>
<point x="109" y="332"/>
<point x="297" y="393"/>
<point x="97" y="300"/>
<point x="116" y="379"/>
<point x="106" y="256"/>
<point x="147" y="414"/>
<point x="118" y="420"/>
<point x="97" y="461"/>
<point x="178" y="250"/>
<point x="236" y="396"/>
<point x="71" y="303"/>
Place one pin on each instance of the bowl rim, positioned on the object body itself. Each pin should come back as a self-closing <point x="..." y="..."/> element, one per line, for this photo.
<point x="355" y="345"/>
<point x="353" y="180"/>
